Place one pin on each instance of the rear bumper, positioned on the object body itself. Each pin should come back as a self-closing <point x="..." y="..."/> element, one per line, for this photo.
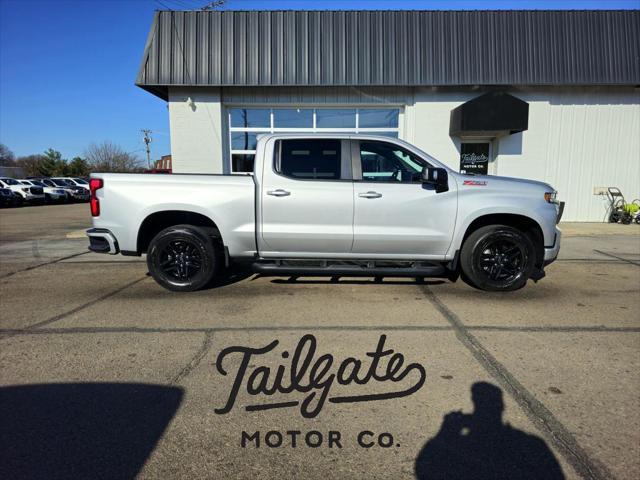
<point x="102" y="240"/>
<point x="551" y="252"/>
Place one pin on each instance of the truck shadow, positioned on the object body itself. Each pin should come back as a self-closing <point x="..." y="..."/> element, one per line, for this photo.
<point x="82" y="430"/>
<point x="480" y="446"/>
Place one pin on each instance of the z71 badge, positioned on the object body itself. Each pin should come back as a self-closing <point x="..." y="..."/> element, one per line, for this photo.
<point x="475" y="183"/>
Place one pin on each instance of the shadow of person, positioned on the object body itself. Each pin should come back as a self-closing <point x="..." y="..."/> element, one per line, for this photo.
<point x="480" y="446"/>
<point x="82" y="430"/>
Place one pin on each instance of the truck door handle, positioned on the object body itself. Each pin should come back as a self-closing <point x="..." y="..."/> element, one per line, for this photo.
<point x="278" y="193"/>
<point x="370" y="195"/>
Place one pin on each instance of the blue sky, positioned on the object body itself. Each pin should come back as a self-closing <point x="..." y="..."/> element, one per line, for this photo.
<point x="67" y="67"/>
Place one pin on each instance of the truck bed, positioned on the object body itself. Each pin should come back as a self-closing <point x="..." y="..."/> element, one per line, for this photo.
<point x="229" y="200"/>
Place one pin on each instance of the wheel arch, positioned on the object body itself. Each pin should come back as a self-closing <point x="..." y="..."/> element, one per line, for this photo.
<point x="155" y="222"/>
<point x="525" y="224"/>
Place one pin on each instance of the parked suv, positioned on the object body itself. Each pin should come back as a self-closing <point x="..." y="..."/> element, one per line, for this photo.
<point x="8" y="198"/>
<point x="74" y="192"/>
<point x="29" y="193"/>
<point x="51" y="194"/>
<point x="74" y="181"/>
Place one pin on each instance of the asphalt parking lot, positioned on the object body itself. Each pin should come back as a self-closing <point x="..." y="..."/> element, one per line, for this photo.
<point x="103" y="374"/>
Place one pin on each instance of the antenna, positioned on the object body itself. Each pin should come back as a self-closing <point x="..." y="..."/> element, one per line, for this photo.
<point x="147" y="142"/>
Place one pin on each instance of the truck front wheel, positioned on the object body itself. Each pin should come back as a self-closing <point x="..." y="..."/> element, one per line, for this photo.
<point x="183" y="258"/>
<point x="497" y="258"/>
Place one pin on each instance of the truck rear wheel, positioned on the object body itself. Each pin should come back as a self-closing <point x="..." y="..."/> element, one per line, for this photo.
<point x="497" y="258"/>
<point x="183" y="258"/>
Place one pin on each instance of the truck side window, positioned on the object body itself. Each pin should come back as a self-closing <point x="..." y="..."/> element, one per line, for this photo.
<point x="386" y="162"/>
<point x="309" y="159"/>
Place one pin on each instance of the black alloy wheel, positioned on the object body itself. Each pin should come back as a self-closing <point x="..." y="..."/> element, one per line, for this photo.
<point x="183" y="258"/>
<point x="497" y="258"/>
<point x="501" y="259"/>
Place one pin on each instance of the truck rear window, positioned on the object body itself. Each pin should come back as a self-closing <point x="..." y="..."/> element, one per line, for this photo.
<point x="312" y="159"/>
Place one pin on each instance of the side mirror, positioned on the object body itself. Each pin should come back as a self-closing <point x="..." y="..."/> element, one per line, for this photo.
<point x="436" y="177"/>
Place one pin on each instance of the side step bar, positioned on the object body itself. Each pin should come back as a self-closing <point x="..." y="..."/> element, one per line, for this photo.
<point x="274" y="269"/>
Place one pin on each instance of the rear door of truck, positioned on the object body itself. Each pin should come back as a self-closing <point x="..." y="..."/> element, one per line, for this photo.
<point x="306" y="198"/>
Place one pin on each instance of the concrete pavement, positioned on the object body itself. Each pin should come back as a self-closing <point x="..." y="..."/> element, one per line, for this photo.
<point x="96" y="357"/>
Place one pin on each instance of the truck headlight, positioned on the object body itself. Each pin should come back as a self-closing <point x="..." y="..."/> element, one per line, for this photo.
<point x="551" y="197"/>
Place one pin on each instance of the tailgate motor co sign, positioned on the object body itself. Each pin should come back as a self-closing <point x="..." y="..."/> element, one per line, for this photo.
<point x="307" y="380"/>
<point x="474" y="158"/>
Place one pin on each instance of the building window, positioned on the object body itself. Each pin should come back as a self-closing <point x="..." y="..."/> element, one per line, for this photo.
<point x="245" y="124"/>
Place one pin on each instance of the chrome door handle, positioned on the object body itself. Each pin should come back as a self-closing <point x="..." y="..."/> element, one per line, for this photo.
<point x="370" y="195"/>
<point x="278" y="193"/>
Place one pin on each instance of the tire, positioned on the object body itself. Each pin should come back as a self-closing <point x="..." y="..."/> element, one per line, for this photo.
<point x="183" y="258"/>
<point x="497" y="258"/>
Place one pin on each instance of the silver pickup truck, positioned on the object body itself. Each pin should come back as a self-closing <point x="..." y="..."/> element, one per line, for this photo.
<point x="338" y="205"/>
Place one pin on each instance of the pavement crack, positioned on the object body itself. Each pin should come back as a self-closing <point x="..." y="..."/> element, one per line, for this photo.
<point x="196" y="359"/>
<point x="33" y="267"/>
<point x="77" y="309"/>
<point x="541" y="416"/>
<point x="632" y="262"/>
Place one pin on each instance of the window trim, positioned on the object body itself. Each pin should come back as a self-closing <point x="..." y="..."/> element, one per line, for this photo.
<point x="357" y="163"/>
<point x="272" y="129"/>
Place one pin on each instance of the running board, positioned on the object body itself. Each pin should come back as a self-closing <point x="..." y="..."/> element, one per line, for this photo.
<point x="331" y="270"/>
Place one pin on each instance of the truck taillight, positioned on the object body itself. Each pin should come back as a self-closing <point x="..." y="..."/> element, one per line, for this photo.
<point x="95" y="184"/>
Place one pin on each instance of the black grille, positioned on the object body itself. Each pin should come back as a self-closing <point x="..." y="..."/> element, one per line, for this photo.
<point x="36" y="190"/>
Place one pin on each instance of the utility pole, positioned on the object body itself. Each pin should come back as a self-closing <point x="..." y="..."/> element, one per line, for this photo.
<point x="147" y="142"/>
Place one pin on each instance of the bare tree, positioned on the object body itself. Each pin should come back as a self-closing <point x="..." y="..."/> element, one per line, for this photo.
<point x="109" y="157"/>
<point x="7" y="157"/>
<point x="31" y="165"/>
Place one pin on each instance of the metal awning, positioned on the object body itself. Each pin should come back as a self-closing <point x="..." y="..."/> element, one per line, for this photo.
<point x="493" y="114"/>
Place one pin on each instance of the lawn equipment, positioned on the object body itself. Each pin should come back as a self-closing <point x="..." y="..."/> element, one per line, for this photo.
<point x="619" y="210"/>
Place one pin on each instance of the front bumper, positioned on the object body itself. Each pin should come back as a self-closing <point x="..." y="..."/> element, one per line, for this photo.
<point x="551" y="252"/>
<point x="80" y="196"/>
<point x="29" y="197"/>
<point x="102" y="240"/>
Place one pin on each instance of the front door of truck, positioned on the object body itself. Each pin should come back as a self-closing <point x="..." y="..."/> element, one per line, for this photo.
<point x="307" y="199"/>
<point x="394" y="213"/>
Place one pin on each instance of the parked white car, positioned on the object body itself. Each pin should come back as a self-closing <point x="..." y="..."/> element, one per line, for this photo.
<point x="51" y="194"/>
<point x="78" y="182"/>
<point x="74" y="192"/>
<point x="29" y="193"/>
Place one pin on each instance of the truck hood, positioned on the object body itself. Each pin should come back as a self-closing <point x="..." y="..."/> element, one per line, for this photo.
<point x="502" y="183"/>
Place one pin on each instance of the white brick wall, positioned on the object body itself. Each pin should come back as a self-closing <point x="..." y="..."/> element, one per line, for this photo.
<point x="196" y="131"/>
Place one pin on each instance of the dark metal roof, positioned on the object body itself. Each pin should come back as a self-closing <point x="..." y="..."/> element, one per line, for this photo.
<point x="410" y="48"/>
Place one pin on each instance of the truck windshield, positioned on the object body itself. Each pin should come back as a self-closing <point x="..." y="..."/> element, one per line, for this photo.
<point x="10" y="181"/>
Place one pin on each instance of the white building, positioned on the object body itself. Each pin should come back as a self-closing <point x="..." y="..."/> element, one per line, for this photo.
<point x="553" y="95"/>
